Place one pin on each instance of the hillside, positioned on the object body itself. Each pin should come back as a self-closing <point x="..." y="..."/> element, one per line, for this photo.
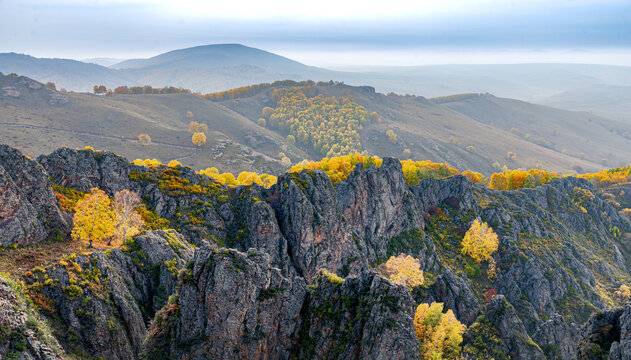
<point x="456" y="132"/>
<point x="600" y="89"/>
<point x="38" y="120"/>
<point x="293" y="271"/>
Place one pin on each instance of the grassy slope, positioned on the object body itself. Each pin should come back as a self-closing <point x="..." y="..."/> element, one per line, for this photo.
<point x="113" y="123"/>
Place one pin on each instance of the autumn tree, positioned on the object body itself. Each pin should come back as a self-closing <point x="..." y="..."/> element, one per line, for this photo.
<point x="392" y="136"/>
<point x="291" y="139"/>
<point x="404" y="270"/>
<point x="480" y="242"/>
<point x="439" y="334"/>
<point x="623" y="294"/>
<point x="94" y="220"/>
<point x="144" y="139"/>
<point x="284" y="158"/>
<point x="99" y="89"/>
<point x="267" y="111"/>
<point x="262" y="122"/>
<point x="189" y="114"/>
<point x="174" y="163"/>
<point x="199" y="138"/>
<point x="51" y="85"/>
<point x="128" y="221"/>
<point x="196" y="127"/>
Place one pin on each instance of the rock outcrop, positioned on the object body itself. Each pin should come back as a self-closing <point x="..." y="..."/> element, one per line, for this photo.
<point x="499" y="334"/>
<point x="22" y="334"/>
<point x="607" y="335"/>
<point x="29" y="209"/>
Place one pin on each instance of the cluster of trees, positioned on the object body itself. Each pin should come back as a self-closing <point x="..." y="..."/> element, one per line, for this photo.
<point x="608" y="177"/>
<point x="102" y="223"/>
<point x="133" y="90"/>
<point x="439" y="334"/>
<point x="244" y="178"/>
<point x="247" y="91"/>
<point x="330" y="125"/>
<point x="519" y="179"/>
<point x="199" y="131"/>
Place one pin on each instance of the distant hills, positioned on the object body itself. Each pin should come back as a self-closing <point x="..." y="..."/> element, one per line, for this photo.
<point x="600" y="89"/>
<point x="472" y="131"/>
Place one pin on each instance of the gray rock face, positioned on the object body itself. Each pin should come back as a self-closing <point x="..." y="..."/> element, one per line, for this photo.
<point x="20" y="336"/>
<point x="83" y="170"/>
<point x="29" y="209"/>
<point x="499" y="333"/>
<point x="557" y="338"/>
<point x="364" y="317"/>
<point x="105" y="300"/>
<point x="230" y="306"/>
<point x="607" y="335"/>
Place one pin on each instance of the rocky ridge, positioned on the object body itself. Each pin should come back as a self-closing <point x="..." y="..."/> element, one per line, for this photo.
<point x="559" y="260"/>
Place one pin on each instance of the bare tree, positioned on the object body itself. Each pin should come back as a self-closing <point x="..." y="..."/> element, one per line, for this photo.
<point x="127" y="219"/>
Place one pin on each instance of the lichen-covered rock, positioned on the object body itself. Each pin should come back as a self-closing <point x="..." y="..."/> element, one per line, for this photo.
<point x="364" y="317"/>
<point x="499" y="334"/>
<point x="23" y="335"/>
<point x="106" y="299"/>
<point x="29" y="209"/>
<point x="557" y="338"/>
<point x="607" y="335"/>
<point x="231" y="305"/>
<point x="83" y="170"/>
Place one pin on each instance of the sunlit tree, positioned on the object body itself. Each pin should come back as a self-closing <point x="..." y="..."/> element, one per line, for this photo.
<point x="94" y="220"/>
<point x="128" y="221"/>
<point x="199" y="138"/>
<point x="480" y="242"/>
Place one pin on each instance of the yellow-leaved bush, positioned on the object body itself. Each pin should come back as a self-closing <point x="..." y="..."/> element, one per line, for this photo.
<point x="439" y="334"/>
<point x="404" y="270"/>
<point x="94" y="219"/>
<point x="244" y="178"/>
<point x="480" y="242"/>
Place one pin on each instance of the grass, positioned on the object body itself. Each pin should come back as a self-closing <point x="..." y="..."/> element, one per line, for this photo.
<point x="17" y="261"/>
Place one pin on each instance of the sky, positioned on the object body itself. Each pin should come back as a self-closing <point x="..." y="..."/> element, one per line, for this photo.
<point x="332" y="33"/>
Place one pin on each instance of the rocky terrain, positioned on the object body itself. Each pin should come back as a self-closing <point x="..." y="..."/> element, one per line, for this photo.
<point x="288" y="272"/>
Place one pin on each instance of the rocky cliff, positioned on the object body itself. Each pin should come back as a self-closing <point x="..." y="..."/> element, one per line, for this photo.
<point x="240" y="275"/>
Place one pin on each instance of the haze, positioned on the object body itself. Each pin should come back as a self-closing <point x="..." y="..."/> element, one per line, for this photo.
<point x="333" y="34"/>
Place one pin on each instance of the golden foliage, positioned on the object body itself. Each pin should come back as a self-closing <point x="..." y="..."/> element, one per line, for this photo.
<point x="330" y="125"/>
<point x="519" y="179"/>
<point x="261" y="122"/>
<point x="338" y="168"/>
<point x="608" y="177"/>
<point x="174" y="163"/>
<point x="147" y="162"/>
<point x="480" y="242"/>
<point x="267" y="112"/>
<point x="94" y="220"/>
<point x="244" y="178"/>
<point x="199" y="138"/>
<point x="128" y="221"/>
<point x="439" y="334"/>
<point x="144" y="139"/>
<point x="623" y="294"/>
<point x="392" y="136"/>
<point x="196" y="127"/>
<point x="404" y="270"/>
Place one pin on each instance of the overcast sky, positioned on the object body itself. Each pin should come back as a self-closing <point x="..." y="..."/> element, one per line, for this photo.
<point x="328" y="32"/>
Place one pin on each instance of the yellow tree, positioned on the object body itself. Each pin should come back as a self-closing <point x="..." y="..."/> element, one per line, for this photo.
<point x="189" y="114"/>
<point x="199" y="138"/>
<point x="404" y="270"/>
<point x="128" y="221"/>
<point x="480" y="241"/>
<point x="94" y="220"/>
<point x="144" y="139"/>
<point x="439" y="334"/>
<point x="392" y="136"/>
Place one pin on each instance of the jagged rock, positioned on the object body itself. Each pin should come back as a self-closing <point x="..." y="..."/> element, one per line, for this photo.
<point x="364" y="317"/>
<point x="231" y="305"/>
<point x="378" y="205"/>
<point x="106" y="299"/>
<point x="318" y="235"/>
<point x="22" y="332"/>
<point x="456" y="294"/>
<point x="557" y="338"/>
<point x="607" y="335"/>
<point x="83" y="170"/>
<point x="499" y="334"/>
<point x="30" y="209"/>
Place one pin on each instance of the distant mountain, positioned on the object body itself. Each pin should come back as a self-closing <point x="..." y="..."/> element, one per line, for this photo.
<point x="217" y="56"/>
<point x="600" y="89"/>
<point x="103" y="61"/>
